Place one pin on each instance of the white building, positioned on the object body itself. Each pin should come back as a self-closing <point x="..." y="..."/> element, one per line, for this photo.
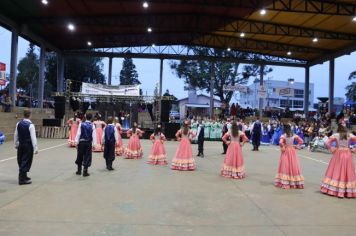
<point x="196" y="104"/>
<point x="278" y="94"/>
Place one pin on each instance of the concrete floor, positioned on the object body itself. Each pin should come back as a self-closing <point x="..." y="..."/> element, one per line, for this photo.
<point x="139" y="199"/>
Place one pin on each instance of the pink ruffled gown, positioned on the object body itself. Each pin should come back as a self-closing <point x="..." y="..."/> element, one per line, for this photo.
<point x="158" y="153"/>
<point x="289" y="171"/>
<point x="99" y="126"/>
<point x="119" y="148"/>
<point x="234" y="162"/>
<point x="183" y="159"/>
<point x="340" y="180"/>
<point x="73" y="124"/>
<point x="134" y="149"/>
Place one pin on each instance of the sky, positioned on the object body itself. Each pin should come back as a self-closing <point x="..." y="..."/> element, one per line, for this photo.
<point x="148" y="71"/>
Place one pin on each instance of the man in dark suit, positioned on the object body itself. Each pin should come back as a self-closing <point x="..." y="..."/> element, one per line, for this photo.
<point x="256" y="135"/>
<point x="225" y="129"/>
<point x="200" y="135"/>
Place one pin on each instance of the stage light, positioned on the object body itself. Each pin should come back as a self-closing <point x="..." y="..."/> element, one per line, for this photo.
<point x="145" y="4"/>
<point x="242" y="35"/>
<point x="354" y="19"/>
<point x="315" y="40"/>
<point x="89" y="43"/>
<point x="289" y="53"/>
<point x="153" y="45"/>
<point x="44" y="2"/>
<point x="149" y="29"/>
<point x="263" y="12"/>
<point x="228" y="49"/>
<point x="71" y="27"/>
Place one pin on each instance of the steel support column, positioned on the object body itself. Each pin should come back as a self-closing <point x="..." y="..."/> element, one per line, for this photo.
<point x="160" y="89"/>
<point x="110" y="71"/>
<point x="212" y="85"/>
<point x="13" y="67"/>
<point x="60" y="72"/>
<point x="306" y="91"/>
<point x="331" y="84"/>
<point x="260" y="103"/>
<point x="41" y="76"/>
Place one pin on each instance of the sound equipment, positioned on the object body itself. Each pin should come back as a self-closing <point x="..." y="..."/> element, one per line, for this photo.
<point x="51" y="122"/>
<point x="170" y="130"/>
<point x="59" y="107"/>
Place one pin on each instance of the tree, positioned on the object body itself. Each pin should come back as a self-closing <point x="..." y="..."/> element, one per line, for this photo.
<point x="351" y="88"/>
<point x="197" y="74"/>
<point x="128" y="73"/>
<point x="27" y="77"/>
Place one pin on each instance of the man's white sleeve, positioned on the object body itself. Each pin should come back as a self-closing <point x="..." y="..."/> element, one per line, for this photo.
<point x="78" y="134"/>
<point x="16" y="137"/>
<point x="33" y="137"/>
<point x="94" y="135"/>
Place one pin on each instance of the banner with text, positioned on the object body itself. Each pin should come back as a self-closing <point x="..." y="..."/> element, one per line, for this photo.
<point x="100" y="89"/>
<point x="286" y="92"/>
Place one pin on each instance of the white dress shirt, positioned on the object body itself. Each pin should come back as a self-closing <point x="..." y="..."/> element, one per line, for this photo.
<point x="32" y="134"/>
<point x="80" y="131"/>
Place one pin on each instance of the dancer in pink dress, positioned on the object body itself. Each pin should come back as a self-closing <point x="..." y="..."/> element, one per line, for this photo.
<point x="234" y="163"/>
<point x="73" y="124"/>
<point x="183" y="159"/>
<point x="289" y="171"/>
<point x="134" y="150"/>
<point x="99" y="126"/>
<point x="158" y="152"/>
<point x="119" y="148"/>
<point x="340" y="180"/>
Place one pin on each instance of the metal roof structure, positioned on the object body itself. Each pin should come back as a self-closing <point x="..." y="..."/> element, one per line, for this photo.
<point x="298" y="32"/>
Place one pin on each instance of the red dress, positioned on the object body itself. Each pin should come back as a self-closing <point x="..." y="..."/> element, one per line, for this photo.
<point x="99" y="126"/>
<point x="289" y="171"/>
<point x="158" y="152"/>
<point x="134" y="150"/>
<point x="340" y="180"/>
<point x="119" y="148"/>
<point x="73" y="124"/>
<point x="234" y="162"/>
<point x="183" y="159"/>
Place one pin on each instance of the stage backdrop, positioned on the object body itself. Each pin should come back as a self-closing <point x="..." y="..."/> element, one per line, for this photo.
<point x="100" y="89"/>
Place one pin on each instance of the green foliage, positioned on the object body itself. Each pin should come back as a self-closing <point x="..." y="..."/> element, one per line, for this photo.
<point x="197" y="74"/>
<point x="27" y="77"/>
<point x="128" y="73"/>
<point x="351" y="88"/>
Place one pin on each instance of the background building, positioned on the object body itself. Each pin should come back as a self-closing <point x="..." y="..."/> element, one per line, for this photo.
<point x="280" y="94"/>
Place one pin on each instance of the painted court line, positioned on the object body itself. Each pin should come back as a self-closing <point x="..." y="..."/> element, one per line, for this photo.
<point x="310" y="158"/>
<point x="45" y="149"/>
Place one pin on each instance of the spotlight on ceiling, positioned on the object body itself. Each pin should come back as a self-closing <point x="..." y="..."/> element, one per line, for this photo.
<point x="71" y="27"/>
<point x="263" y="12"/>
<point x="89" y="43"/>
<point x="44" y="2"/>
<point x="242" y="35"/>
<point x="149" y="29"/>
<point x="354" y="19"/>
<point x="289" y="53"/>
<point x="315" y="40"/>
<point x="145" y="4"/>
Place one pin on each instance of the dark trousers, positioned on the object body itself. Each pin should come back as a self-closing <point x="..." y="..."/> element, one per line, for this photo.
<point x="24" y="157"/>
<point x="84" y="154"/>
<point x="109" y="153"/>
<point x="224" y="147"/>
<point x="201" y="146"/>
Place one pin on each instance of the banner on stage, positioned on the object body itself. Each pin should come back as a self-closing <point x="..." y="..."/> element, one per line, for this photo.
<point x="237" y="87"/>
<point x="286" y="92"/>
<point x="120" y="90"/>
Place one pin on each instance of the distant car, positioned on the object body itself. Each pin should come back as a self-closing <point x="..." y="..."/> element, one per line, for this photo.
<point x="175" y="114"/>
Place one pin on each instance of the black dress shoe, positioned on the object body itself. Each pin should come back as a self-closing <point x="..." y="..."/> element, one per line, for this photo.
<point x="26" y="177"/>
<point x="198" y="155"/>
<point x="24" y="181"/>
<point x="85" y="173"/>
<point x="79" y="171"/>
<point x="223" y="153"/>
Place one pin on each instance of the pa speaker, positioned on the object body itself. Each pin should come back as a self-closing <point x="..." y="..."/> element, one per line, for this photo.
<point x="51" y="122"/>
<point x="59" y="107"/>
<point x="170" y="130"/>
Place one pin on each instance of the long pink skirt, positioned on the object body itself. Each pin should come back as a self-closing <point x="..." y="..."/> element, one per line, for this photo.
<point x="183" y="159"/>
<point x="234" y="162"/>
<point x="98" y="147"/>
<point x="158" y="154"/>
<point x="289" y="171"/>
<point x="133" y="150"/>
<point x="340" y="180"/>
<point x="72" y="134"/>
<point x="119" y="147"/>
